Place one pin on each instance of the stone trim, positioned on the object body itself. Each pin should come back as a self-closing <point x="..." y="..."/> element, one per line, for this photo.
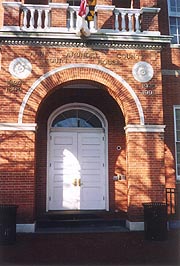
<point x="17" y="127"/>
<point x="108" y="40"/>
<point x="12" y="4"/>
<point x="145" y="128"/>
<point x="25" y="228"/>
<point x="135" y="226"/>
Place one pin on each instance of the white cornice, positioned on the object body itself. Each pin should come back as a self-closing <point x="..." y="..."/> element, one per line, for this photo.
<point x="145" y="128"/>
<point x="17" y="127"/>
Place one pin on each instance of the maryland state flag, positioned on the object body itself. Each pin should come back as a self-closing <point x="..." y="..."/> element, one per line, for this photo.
<point x="91" y="6"/>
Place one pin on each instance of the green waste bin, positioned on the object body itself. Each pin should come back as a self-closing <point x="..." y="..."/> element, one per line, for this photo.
<point x="8" y="224"/>
<point x="155" y="221"/>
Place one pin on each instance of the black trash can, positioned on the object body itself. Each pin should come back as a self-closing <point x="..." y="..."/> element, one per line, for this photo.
<point x="155" y="221"/>
<point x="8" y="224"/>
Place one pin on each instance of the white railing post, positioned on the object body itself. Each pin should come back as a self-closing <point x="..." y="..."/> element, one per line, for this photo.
<point x="130" y="22"/>
<point x="123" y="22"/>
<point x="71" y="19"/>
<point x="92" y="25"/>
<point x="31" y="22"/>
<point x="116" y="22"/>
<point x="137" y="25"/>
<point x="39" y="19"/>
<point x="25" y="11"/>
<point x="46" y="19"/>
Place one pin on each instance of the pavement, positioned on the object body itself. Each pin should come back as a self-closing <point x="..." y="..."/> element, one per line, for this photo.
<point x="91" y="249"/>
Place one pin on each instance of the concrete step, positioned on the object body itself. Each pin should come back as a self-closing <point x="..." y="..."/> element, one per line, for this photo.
<point x="54" y="222"/>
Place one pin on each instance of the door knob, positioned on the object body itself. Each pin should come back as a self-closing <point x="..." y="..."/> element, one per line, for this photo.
<point x="75" y="182"/>
<point x="79" y="182"/>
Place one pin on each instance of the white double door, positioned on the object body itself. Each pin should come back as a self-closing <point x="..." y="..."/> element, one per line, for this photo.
<point x="77" y="171"/>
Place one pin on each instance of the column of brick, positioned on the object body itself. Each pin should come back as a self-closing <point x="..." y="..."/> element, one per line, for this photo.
<point x="17" y="172"/>
<point x="145" y="171"/>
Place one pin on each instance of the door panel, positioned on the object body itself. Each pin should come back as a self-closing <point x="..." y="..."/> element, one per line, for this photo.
<point x="63" y="169"/>
<point x="91" y="158"/>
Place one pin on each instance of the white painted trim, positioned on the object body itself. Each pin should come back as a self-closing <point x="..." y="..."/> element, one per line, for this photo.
<point x="176" y="107"/>
<point x="92" y="66"/>
<point x="35" y="6"/>
<point x="103" y="119"/>
<point x="10" y="28"/>
<point x="154" y="10"/>
<point x="58" y="5"/>
<point x="104" y="7"/>
<point x="144" y="128"/>
<point x="12" y="4"/>
<point x="25" y="228"/>
<point x="17" y="127"/>
<point x="135" y="226"/>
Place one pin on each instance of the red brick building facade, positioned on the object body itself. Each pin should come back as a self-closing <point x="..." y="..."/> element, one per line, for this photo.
<point x="88" y="122"/>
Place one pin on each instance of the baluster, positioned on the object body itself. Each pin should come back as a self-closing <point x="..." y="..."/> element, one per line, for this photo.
<point x="25" y="11"/>
<point x="46" y="19"/>
<point x="116" y="23"/>
<point x="123" y="22"/>
<point x="137" y="16"/>
<point x="130" y="24"/>
<point x="39" y="20"/>
<point x="95" y="21"/>
<point x="32" y="11"/>
<point x="92" y="26"/>
<point x="71" y="22"/>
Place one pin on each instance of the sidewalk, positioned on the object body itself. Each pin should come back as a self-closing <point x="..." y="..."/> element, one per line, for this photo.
<point x="113" y="248"/>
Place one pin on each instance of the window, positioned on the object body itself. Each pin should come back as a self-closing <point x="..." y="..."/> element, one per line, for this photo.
<point x="77" y="118"/>
<point x="177" y="139"/>
<point x="174" y="20"/>
<point x="74" y="2"/>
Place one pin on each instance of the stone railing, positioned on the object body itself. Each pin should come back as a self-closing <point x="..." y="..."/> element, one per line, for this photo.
<point x="127" y="20"/>
<point x="63" y="18"/>
<point x="35" y="17"/>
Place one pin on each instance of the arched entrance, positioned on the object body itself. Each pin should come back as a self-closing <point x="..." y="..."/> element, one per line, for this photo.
<point x="95" y="99"/>
<point x="77" y="159"/>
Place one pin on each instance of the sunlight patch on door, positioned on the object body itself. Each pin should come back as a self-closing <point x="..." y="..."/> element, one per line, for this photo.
<point x="71" y="177"/>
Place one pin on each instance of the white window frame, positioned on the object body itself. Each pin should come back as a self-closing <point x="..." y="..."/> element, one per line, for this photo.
<point x="174" y="14"/>
<point x="176" y="141"/>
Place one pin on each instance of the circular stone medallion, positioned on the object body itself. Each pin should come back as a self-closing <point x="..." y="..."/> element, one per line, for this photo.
<point x="20" y="68"/>
<point x="142" y="71"/>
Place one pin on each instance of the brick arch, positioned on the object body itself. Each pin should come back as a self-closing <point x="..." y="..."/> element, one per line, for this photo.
<point x="117" y="87"/>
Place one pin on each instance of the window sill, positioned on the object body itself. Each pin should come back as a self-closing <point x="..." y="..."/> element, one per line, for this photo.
<point x="175" y="45"/>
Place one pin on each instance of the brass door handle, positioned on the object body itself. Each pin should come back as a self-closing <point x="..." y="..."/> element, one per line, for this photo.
<point x="75" y="182"/>
<point x="79" y="182"/>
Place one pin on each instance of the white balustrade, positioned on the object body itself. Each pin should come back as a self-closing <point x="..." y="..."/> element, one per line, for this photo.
<point x="129" y="20"/>
<point x="35" y="17"/>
